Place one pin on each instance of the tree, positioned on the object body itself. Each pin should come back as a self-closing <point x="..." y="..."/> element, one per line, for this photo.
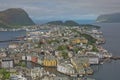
<point x="4" y="74"/>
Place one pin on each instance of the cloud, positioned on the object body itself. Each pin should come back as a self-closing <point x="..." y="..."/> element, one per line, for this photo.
<point x="67" y="9"/>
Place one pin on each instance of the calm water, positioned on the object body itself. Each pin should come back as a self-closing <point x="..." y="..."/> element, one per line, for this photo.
<point x="110" y="71"/>
<point x="107" y="71"/>
<point x="9" y="35"/>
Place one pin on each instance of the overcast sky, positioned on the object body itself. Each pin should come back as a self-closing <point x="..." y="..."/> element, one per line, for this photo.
<point x="63" y="9"/>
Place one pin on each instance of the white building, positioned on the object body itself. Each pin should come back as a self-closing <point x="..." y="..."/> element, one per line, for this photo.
<point x="13" y="45"/>
<point x="65" y="68"/>
<point x="93" y="60"/>
<point x="28" y="58"/>
<point x="7" y="63"/>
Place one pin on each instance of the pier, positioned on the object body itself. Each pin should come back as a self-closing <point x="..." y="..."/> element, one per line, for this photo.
<point x="112" y="58"/>
<point x="115" y="57"/>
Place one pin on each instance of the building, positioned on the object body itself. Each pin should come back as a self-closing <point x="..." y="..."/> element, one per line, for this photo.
<point x="13" y="45"/>
<point x="7" y="63"/>
<point x="34" y="59"/>
<point x="17" y="57"/>
<point x="50" y="61"/>
<point x="54" y="78"/>
<point x="40" y="61"/>
<point x="79" y="40"/>
<point x="93" y="60"/>
<point x="66" y="68"/>
<point x="28" y="58"/>
<point x="2" y="54"/>
<point x="17" y="77"/>
<point x="80" y="63"/>
<point x="37" y="72"/>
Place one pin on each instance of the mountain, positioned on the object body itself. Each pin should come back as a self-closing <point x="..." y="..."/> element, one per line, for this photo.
<point x="66" y="23"/>
<point x="14" y="17"/>
<point x="109" y="18"/>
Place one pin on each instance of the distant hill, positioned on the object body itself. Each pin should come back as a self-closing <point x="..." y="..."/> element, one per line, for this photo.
<point x="71" y="23"/>
<point x="14" y="17"/>
<point x="55" y="23"/>
<point x="66" y="23"/>
<point x="109" y="18"/>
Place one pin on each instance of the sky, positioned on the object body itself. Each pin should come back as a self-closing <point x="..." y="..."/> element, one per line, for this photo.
<point x="63" y="9"/>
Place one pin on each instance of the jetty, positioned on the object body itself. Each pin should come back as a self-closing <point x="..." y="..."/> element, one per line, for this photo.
<point x="112" y="58"/>
<point x="115" y="57"/>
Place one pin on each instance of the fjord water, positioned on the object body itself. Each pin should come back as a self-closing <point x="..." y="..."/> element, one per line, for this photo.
<point x="8" y="35"/>
<point x="111" y="32"/>
<point x="110" y="71"/>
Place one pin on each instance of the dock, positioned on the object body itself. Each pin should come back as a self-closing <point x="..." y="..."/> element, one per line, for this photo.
<point x="115" y="57"/>
<point x="112" y="58"/>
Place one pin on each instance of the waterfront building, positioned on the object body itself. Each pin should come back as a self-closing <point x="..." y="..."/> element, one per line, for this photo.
<point x="93" y="60"/>
<point x="13" y="45"/>
<point x="80" y="63"/>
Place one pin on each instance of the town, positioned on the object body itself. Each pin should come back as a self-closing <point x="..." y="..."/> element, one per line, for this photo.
<point x="53" y="52"/>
